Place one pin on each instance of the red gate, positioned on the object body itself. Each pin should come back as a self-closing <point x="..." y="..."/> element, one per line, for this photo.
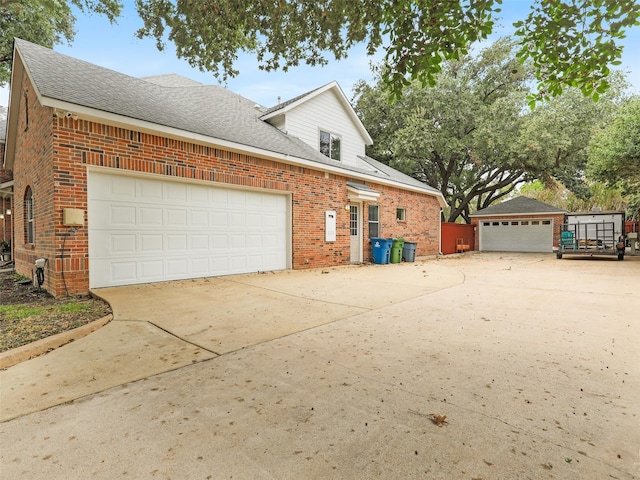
<point x="457" y="238"/>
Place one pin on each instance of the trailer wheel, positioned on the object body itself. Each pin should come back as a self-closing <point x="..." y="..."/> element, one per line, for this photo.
<point x="559" y="256"/>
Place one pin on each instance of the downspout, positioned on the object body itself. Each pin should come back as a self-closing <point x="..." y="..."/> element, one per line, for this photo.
<point x="440" y="233"/>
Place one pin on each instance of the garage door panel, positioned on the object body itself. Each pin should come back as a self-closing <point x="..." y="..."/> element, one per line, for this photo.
<point x="516" y="236"/>
<point x="151" y="270"/>
<point x="177" y="267"/>
<point x="122" y="215"/>
<point x="237" y="219"/>
<point x="150" y="243"/>
<point x="176" y="243"/>
<point x="121" y="244"/>
<point x="149" y="216"/>
<point x="155" y="230"/>
<point x="147" y="190"/>
<point x="236" y="198"/>
<point x="176" y="217"/>
<point x="199" y="242"/>
<point x="122" y="270"/>
<point x="199" y="218"/>
<point x="125" y="190"/>
<point x="176" y="193"/>
<point x="219" y="218"/>
<point x="220" y="264"/>
<point x="219" y="242"/>
<point x="199" y="265"/>
<point x="198" y="195"/>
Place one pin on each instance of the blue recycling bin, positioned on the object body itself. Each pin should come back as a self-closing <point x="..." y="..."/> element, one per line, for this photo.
<point x="381" y="250"/>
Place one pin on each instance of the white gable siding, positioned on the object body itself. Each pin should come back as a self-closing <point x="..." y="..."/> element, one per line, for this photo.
<point x="325" y="112"/>
<point x="279" y="123"/>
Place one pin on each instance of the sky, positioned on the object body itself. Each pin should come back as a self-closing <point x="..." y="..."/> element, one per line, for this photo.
<point x="116" y="47"/>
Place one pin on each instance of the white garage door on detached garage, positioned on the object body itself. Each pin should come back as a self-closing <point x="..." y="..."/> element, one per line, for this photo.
<point x="516" y="236"/>
<point x="143" y="229"/>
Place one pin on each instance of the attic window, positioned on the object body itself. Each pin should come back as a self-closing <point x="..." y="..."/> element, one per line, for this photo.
<point x="330" y="145"/>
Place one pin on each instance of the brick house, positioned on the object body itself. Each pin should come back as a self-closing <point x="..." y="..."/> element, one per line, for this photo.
<point x="521" y="224"/>
<point x="120" y="180"/>
<point x="6" y="191"/>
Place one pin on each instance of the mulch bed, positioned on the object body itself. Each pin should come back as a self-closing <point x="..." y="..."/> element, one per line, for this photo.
<point x="50" y="315"/>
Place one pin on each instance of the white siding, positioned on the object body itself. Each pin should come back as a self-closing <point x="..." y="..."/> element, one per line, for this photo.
<point x="325" y="112"/>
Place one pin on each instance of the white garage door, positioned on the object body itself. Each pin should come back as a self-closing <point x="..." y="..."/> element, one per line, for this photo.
<point x="516" y="236"/>
<point x="144" y="230"/>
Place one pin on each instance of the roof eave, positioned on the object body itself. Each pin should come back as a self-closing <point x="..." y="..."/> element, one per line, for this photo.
<point x="17" y="74"/>
<point x="517" y="214"/>
<point x="86" y="113"/>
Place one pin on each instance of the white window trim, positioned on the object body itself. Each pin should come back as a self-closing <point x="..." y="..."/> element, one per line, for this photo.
<point x="332" y="136"/>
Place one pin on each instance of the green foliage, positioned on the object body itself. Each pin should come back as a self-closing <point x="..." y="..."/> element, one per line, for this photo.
<point x="555" y="193"/>
<point x="45" y="22"/>
<point x="472" y="135"/>
<point x="614" y="152"/>
<point x="571" y="43"/>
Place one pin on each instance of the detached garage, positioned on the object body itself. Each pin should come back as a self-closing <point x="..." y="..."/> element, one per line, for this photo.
<point x="521" y="224"/>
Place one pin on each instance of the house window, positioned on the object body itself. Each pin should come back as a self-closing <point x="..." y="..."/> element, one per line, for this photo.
<point x="29" y="233"/>
<point x="374" y="221"/>
<point x="330" y="145"/>
<point x="401" y="214"/>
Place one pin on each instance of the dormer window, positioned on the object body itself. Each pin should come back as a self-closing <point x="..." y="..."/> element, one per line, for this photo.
<point x="330" y="145"/>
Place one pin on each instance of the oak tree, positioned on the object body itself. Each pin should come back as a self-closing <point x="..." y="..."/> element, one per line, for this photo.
<point x="472" y="135"/>
<point x="45" y="22"/>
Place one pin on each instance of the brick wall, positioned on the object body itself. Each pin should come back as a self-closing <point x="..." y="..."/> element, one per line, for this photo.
<point x="6" y="200"/>
<point x="79" y="144"/>
<point x="558" y="220"/>
<point x="33" y="168"/>
<point x="422" y="223"/>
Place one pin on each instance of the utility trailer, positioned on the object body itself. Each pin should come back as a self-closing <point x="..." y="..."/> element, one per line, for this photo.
<point x="592" y="233"/>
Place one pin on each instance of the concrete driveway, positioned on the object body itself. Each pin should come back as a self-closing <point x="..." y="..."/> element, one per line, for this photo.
<point x="336" y="373"/>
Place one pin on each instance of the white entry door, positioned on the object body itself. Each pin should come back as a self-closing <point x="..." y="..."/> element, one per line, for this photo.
<point x="355" y="229"/>
<point x="146" y="229"/>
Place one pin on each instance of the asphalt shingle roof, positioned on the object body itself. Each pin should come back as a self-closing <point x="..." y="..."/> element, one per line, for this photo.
<point x="518" y="205"/>
<point x="186" y="105"/>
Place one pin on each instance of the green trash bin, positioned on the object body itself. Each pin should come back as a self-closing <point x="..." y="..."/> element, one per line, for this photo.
<point x="396" y="250"/>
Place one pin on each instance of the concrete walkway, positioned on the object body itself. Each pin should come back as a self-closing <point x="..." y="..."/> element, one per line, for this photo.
<point x="165" y="326"/>
<point x="534" y="361"/>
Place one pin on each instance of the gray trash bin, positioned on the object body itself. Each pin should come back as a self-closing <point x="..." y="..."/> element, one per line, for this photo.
<point x="409" y="251"/>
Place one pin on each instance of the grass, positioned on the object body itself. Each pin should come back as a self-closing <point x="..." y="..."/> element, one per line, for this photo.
<point x="10" y="313"/>
<point x="27" y="315"/>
